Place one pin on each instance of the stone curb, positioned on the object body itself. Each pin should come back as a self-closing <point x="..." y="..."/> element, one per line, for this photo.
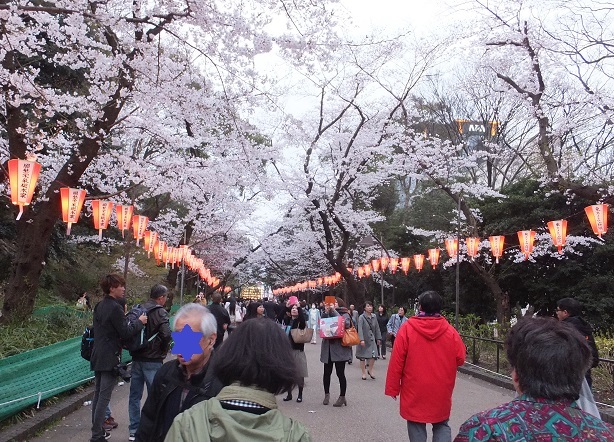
<point x="28" y="428"/>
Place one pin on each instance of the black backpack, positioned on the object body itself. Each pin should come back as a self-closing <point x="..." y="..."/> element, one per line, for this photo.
<point x="142" y="339"/>
<point x="87" y="343"/>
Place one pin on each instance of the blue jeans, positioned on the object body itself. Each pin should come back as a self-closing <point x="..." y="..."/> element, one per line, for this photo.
<point x="142" y="372"/>
<point x="417" y="431"/>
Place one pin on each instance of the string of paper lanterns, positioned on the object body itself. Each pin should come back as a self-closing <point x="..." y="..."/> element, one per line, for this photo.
<point x="597" y="215"/>
<point x="23" y="177"/>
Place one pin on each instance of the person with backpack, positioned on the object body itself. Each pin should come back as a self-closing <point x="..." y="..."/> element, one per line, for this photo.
<point x="111" y="328"/>
<point x="148" y="351"/>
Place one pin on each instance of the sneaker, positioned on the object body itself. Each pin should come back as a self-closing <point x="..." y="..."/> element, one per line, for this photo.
<point x="106" y="426"/>
<point x="131" y="437"/>
<point x="111" y="422"/>
<point x="107" y="435"/>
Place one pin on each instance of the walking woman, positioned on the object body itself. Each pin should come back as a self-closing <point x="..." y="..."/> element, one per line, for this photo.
<point x="332" y="353"/>
<point x="370" y="338"/>
<point x="254" y="310"/>
<point x="382" y="321"/>
<point x="395" y="323"/>
<point x="297" y="320"/>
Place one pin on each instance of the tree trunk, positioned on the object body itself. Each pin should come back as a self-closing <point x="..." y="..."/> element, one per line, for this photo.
<point x="501" y="298"/>
<point x="33" y="235"/>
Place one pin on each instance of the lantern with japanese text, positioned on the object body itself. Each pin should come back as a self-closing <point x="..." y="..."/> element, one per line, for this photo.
<point x="419" y="262"/>
<point x="405" y="263"/>
<point x="598" y="216"/>
<point x="124" y="217"/>
<point x="434" y="257"/>
<point x="496" y="246"/>
<point x="150" y="241"/>
<point x="167" y="256"/>
<point x="139" y="226"/>
<point x="72" y="202"/>
<point x="558" y="232"/>
<point x="160" y="248"/>
<point x="23" y="176"/>
<point x="452" y="247"/>
<point x="393" y="264"/>
<point x="526" y="238"/>
<point x="473" y="245"/>
<point x="375" y="265"/>
<point x="102" y="214"/>
<point x="367" y="268"/>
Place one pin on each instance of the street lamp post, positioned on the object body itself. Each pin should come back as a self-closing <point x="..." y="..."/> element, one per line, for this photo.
<point x="371" y="241"/>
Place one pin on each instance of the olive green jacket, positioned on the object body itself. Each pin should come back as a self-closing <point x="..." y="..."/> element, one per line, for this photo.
<point x="207" y="421"/>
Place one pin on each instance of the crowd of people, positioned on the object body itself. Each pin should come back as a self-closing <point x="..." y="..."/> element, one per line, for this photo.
<point x="234" y="357"/>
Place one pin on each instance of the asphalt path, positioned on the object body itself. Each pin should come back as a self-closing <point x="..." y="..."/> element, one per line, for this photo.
<point x="369" y="415"/>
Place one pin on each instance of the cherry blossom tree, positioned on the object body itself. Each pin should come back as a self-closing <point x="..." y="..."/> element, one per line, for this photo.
<point x="113" y="95"/>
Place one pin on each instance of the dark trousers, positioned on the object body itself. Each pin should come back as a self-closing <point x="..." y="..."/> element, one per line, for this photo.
<point x="105" y="381"/>
<point x="381" y="349"/>
<point x="328" y="371"/>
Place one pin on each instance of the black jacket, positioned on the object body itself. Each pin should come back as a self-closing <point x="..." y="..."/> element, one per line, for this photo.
<point x="222" y="317"/>
<point x="157" y="322"/>
<point x="587" y="331"/>
<point x="110" y="327"/>
<point x="163" y="400"/>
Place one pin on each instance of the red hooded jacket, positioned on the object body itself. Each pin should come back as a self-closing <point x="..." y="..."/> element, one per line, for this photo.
<point x="422" y="368"/>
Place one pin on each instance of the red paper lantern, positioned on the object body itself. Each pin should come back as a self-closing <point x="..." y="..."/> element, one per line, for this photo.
<point x="451" y="247"/>
<point x="375" y="265"/>
<point x="526" y="238"/>
<point x="160" y="248"/>
<point x="360" y="272"/>
<point x="150" y="241"/>
<point x="496" y="246"/>
<point x="598" y="217"/>
<point x="367" y="268"/>
<point x="72" y="202"/>
<point x="124" y="216"/>
<point x="139" y="226"/>
<point x="394" y="263"/>
<point x="405" y="263"/>
<point x="558" y="232"/>
<point x="473" y="245"/>
<point x="384" y="260"/>
<point x="102" y="214"/>
<point x="419" y="261"/>
<point x="23" y="176"/>
<point x="434" y="257"/>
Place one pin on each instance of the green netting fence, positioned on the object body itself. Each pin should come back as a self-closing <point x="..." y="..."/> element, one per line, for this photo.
<point x="30" y="377"/>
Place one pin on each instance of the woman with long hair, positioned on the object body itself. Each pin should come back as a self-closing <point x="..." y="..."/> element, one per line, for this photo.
<point x="333" y="354"/>
<point x="382" y="321"/>
<point x="297" y="321"/>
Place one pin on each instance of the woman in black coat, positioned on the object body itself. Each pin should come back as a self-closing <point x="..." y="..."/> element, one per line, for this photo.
<point x="296" y="320"/>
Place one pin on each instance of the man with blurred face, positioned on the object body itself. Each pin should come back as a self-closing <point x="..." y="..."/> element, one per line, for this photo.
<point x="185" y="381"/>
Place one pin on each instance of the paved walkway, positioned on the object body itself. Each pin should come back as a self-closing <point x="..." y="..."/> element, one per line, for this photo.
<point x="369" y="415"/>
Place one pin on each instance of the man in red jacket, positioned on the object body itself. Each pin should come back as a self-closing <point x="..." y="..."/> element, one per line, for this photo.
<point x="422" y="369"/>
